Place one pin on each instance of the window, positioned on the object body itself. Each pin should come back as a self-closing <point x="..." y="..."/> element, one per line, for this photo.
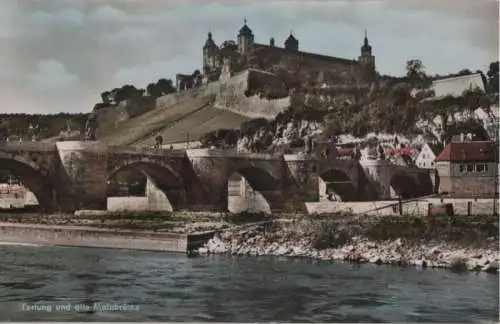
<point x="462" y="167"/>
<point x="470" y="167"/>
<point x="481" y="168"/>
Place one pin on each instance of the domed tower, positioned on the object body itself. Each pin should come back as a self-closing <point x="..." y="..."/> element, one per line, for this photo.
<point x="291" y="43"/>
<point x="366" y="59"/>
<point x="210" y="51"/>
<point x="245" y="39"/>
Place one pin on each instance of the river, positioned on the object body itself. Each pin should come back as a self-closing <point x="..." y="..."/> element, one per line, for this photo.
<point x="63" y="284"/>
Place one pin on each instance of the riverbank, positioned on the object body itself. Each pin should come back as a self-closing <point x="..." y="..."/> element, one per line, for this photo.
<point x="459" y="243"/>
<point x="168" y="232"/>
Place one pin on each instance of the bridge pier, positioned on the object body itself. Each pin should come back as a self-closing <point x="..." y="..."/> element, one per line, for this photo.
<point x="208" y="181"/>
<point x="85" y="164"/>
<point x="378" y="173"/>
<point x="302" y="180"/>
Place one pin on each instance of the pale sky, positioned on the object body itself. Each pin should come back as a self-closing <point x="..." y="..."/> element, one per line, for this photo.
<point x="59" y="55"/>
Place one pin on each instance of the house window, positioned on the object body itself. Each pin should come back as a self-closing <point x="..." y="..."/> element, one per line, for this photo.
<point x="470" y="167"/>
<point x="481" y="168"/>
<point x="462" y="168"/>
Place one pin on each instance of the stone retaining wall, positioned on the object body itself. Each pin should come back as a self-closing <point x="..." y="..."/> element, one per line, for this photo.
<point x="90" y="237"/>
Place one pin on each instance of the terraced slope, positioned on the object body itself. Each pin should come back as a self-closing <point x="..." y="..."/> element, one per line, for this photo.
<point x="147" y="125"/>
<point x="193" y="126"/>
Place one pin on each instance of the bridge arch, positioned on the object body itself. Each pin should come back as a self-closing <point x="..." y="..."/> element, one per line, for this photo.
<point x="335" y="184"/>
<point x="252" y="188"/>
<point x="32" y="178"/>
<point x="404" y="186"/>
<point x="161" y="184"/>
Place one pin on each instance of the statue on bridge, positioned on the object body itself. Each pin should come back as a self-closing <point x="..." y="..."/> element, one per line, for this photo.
<point x="356" y="153"/>
<point x="91" y="127"/>
<point x="308" y="145"/>
<point x="380" y="153"/>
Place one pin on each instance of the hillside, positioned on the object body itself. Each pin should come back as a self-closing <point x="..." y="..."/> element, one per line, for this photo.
<point x="178" y="123"/>
<point x="192" y="126"/>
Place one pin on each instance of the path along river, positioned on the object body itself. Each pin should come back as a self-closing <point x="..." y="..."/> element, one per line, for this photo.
<point x="62" y="283"/>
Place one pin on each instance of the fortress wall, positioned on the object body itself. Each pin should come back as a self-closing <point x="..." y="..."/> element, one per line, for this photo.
<point x="231" y="95"/>
<point x="109" y="118"/>
<point x="178" y="97"/>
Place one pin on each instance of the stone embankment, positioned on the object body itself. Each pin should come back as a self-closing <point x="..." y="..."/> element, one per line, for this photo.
<point x="283" y="239"/>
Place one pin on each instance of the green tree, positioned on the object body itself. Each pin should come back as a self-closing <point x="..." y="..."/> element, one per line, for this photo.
<point x="415" y="72"/>
<point x="493" y="75"/>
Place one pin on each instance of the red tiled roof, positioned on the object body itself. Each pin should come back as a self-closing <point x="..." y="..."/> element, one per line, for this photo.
<point x="401" y="151"/>
<point x="345" y="151"/>
<point x="306" y="54"/>
<point x="469" y="152"/>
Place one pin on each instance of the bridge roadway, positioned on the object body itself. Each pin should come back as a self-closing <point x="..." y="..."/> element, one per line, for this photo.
<point x="72" y="175"/>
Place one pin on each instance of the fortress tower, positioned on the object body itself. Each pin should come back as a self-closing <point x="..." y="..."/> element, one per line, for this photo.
<point x="367" y="60"/>
<point x="291" y="43"/>
<point x="245" y="39"/>
<point x="210" y="51"/>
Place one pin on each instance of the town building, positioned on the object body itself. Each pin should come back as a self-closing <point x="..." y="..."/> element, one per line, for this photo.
<point x="468" y="169"/>
<point x="427" y="155"/>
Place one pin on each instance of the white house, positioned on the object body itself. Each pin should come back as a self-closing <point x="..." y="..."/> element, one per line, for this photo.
<point x="425" y="158"/>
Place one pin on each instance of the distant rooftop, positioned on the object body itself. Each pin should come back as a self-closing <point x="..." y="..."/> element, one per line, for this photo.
<point x="473" y="151"/>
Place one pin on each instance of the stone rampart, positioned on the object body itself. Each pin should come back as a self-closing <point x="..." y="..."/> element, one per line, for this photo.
<point x="232" y="95"/>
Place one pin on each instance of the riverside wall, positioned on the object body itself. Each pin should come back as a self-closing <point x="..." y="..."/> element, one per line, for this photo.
<point x="418" y="207"/>
<point x="103" y="238"/>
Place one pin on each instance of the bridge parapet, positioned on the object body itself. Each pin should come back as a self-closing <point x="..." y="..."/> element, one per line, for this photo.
<point x="133" y="150"/>
<point x="28" y="146"/>
<point x="230" y="154"/>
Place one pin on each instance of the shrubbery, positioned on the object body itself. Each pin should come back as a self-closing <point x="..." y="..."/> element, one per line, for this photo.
<point x="460" y="230"/>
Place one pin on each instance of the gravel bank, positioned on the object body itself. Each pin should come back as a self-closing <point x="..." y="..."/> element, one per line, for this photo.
<point x="347" y="242"/>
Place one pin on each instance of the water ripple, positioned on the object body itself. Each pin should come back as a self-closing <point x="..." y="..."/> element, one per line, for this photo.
<point x="169" y="287"/>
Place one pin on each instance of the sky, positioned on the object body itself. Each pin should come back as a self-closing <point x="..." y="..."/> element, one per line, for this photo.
<point x="59" y="55"/>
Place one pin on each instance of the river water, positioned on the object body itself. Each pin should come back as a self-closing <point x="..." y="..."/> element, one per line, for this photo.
<point x="63" y="284"/>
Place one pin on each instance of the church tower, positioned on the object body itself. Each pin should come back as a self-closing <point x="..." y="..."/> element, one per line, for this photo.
<point x="367" y="60"/>
<point x="210" y="51"/>
<point x="245" y="39"/>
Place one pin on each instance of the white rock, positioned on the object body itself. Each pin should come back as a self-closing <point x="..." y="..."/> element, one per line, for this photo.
<point x="203" y="251"/>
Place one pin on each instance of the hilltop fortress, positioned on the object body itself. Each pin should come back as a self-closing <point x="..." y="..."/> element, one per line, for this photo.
<point x="222" y="61"/>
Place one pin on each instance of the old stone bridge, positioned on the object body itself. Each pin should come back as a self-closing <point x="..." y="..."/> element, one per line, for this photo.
<point x="67" y="176"/>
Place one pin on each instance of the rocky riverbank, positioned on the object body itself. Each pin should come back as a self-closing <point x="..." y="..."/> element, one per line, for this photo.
<point x="438" y="243"/>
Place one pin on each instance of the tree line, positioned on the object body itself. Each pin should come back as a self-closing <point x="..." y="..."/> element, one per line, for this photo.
<point x="25" y="126"/>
